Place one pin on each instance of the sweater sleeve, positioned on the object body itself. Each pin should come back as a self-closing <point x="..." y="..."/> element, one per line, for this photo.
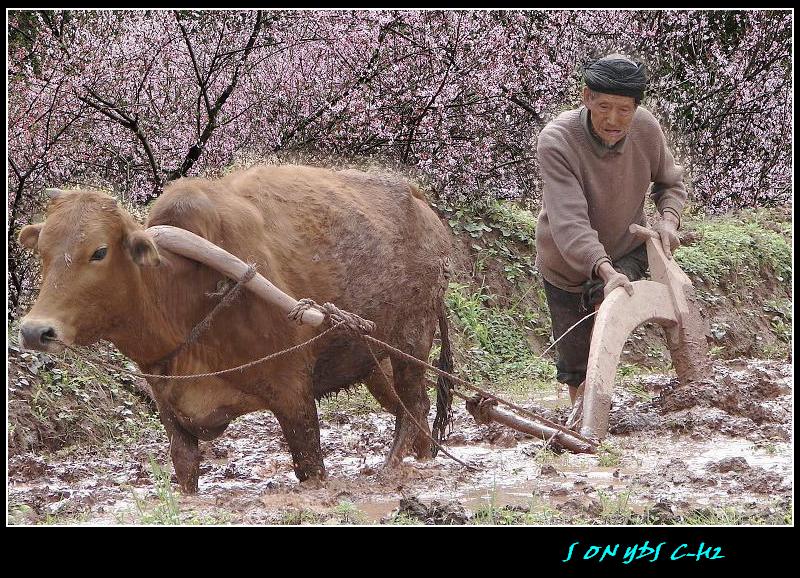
<point x="668" y="190"/>
<point x="568" y="211"/>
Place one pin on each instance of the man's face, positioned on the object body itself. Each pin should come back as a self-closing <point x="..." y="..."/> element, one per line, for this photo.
<point x="611" y="114"/>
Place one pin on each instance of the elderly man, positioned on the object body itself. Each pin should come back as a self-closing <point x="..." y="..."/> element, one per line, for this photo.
<point x="597" y="164"/>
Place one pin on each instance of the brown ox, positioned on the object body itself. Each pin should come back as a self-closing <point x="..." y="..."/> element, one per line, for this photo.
<point x="369" y="244"/>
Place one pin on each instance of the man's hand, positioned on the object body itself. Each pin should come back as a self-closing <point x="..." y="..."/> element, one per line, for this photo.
<point x="613" y="279"/>
<point x="617" y="280"/>
<point x="667" y="229"/>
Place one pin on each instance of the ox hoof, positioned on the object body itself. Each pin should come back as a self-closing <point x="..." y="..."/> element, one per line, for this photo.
<point x="313" y="482"/>
<point x="188" y="488"/>
<point x="392" y="462"/>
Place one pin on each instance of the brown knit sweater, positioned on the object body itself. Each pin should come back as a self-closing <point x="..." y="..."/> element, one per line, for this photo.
<point x="592" y="193"/>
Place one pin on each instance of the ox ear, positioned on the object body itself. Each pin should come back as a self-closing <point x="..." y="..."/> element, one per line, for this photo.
<point x="29" y="236"/>
<point x="142" y="249"/>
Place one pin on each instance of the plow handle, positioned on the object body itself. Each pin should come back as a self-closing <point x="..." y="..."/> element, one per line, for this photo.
<point x="643" y="232"/>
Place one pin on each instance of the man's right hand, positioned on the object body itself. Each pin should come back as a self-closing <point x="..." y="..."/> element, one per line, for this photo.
<point x="667" y="229"/>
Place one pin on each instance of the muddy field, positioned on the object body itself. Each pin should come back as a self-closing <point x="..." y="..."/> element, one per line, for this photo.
<point x="716" y="453"/>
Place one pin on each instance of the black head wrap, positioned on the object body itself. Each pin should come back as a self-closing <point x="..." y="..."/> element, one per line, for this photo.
<point x="615" y="74"/>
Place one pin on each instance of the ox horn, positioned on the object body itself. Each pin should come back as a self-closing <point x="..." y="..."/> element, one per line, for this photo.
<point x="185" y="243"/>
<point x="54" y="193"/>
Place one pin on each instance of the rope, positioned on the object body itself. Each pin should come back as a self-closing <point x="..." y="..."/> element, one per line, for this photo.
<point x="359" y="328"/>
<point x="210" y="374"/>
<point x="355" y="325"/>
<point x="549" y="347"/>
<point x="333" y="316"/>
<point x="479" y="390"/>
<point x="574" y="325"/>
<point x="367" y="338"/>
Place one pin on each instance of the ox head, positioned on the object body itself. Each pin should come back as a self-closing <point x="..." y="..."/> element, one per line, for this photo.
<point x="92" y="254"/>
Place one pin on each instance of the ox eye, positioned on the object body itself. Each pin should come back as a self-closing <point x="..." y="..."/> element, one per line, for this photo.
<point x="99" y="254"/>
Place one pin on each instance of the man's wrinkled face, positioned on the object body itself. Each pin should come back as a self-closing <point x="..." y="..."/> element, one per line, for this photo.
<point x="612" y="114"/>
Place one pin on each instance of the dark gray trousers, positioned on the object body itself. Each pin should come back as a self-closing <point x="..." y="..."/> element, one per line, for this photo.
<point x="567" y="308"/>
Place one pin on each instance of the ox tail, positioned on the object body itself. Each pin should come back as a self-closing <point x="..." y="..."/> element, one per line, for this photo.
<point x="444" y="385"/>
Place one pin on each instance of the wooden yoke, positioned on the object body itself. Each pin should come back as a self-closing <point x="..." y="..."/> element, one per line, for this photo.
<point x="191" y="246"/>
<point x="670" y="301"/>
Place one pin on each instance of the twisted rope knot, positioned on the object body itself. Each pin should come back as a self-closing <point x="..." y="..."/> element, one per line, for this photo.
<point x="230" y="291"/>
<point x="303" y="305"/>
<point x="351" y="321"/>
<point x="249" y="274"/>
<point x="478" y="406"/>
<point x="333" y="316"/>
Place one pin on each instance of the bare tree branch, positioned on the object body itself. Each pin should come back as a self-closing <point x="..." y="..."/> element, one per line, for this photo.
<point x="369" y="72"/>
<point x="128" y="121"/>
<point x="197" y="148"/>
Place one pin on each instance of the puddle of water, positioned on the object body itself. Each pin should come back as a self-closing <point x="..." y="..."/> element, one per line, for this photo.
<point x="510" y="478"/>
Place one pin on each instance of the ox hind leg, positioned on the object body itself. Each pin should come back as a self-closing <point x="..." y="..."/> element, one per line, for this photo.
<point x="409" y="383"/>
<point x="383" y="389"/>
<point x="298" y="419"/>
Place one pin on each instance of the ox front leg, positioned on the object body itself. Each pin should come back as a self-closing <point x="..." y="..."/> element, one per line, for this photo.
<point x="184" y="451"/>
<point x="409" y="384"/>
<point x="300" y="425"/>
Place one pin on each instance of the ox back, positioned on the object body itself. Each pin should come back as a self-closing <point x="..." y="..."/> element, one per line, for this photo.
<point x="367" y="243"/>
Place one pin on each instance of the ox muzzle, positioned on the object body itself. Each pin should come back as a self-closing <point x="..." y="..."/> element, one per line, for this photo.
<point x="39" y="335"/>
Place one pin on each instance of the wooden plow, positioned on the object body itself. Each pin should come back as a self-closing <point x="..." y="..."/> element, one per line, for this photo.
<point x="667" y="299"/>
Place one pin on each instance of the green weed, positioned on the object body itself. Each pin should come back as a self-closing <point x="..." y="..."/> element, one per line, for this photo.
<point x="166" y="511"/>
<point x="299" y="517"/>
<point x="347" y="513"/>
<point x="725" y="516"/>
<point x="496" y="345"/>
<point x="617" y="508"/>
<point x="537" y="513"/>
<point x="736" y="250"/>
<point x="608" y="455"/>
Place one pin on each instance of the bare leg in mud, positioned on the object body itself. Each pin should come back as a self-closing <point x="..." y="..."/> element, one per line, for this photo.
<point x="576" y="415"/>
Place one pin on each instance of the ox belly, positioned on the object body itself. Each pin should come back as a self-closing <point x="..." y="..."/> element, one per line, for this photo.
<point x="205" y="409"/>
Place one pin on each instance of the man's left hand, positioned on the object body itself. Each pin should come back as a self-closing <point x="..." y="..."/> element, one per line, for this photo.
<point x="667" y="229"/>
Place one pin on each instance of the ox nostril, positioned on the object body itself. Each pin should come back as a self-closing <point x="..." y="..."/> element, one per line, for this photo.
<point x="36" y="336"/>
